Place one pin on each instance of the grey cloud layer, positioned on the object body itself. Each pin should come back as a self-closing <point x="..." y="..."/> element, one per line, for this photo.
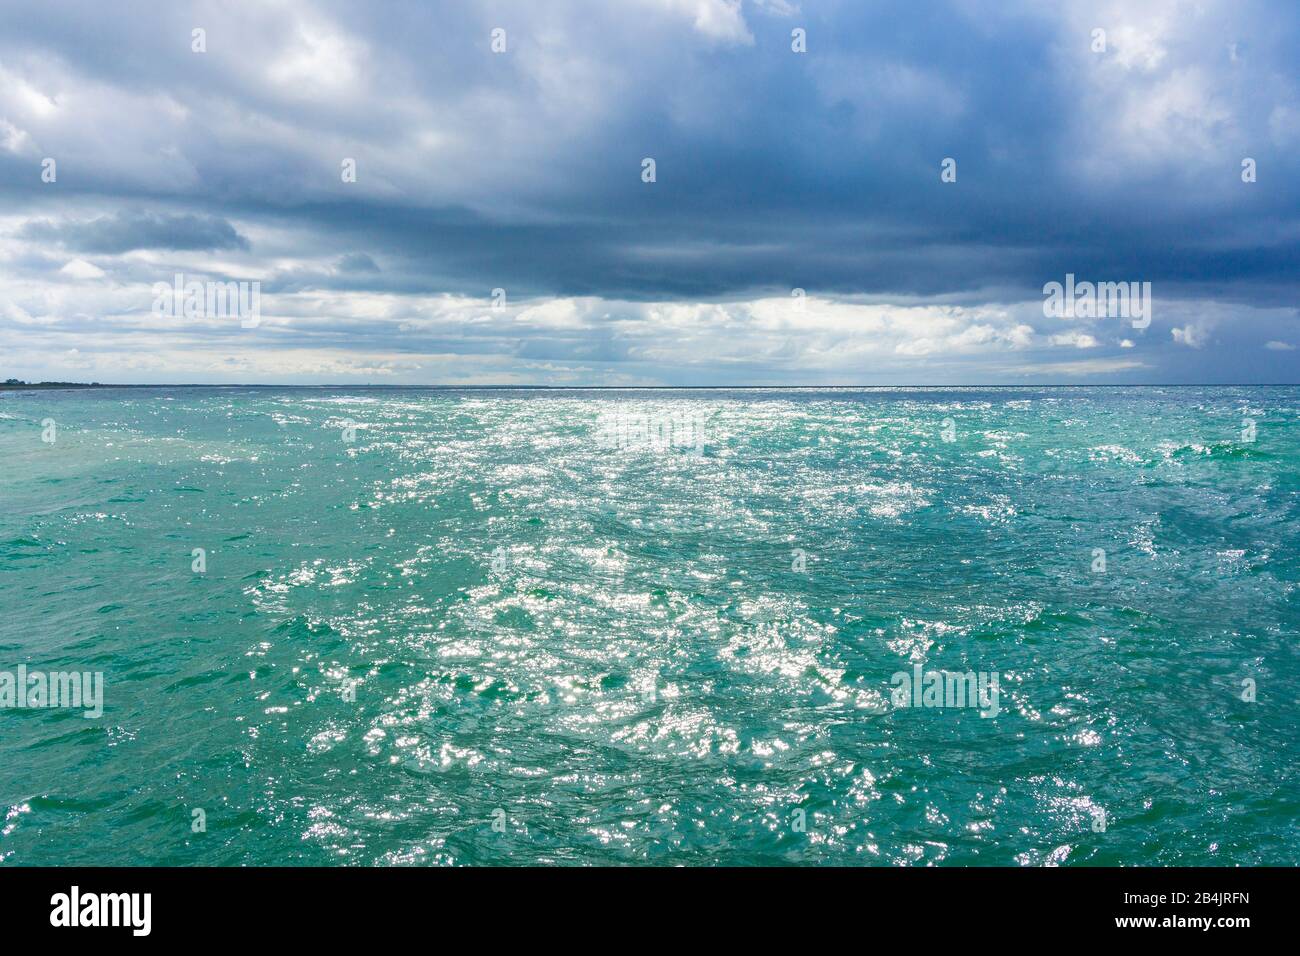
<point x="775" y="170"/>
<point x="125" y="232"/>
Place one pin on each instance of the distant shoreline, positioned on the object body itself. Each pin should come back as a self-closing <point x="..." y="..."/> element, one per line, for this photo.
<point x="41" y="386"/>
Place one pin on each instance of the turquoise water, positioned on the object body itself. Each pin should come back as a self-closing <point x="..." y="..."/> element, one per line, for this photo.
<point x="651" y="626"/>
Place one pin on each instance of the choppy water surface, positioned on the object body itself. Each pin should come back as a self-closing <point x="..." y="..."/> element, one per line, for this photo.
<point x="613" y="645"/>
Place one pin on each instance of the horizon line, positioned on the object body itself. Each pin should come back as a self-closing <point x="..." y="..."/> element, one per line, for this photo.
<point x="68" y="386"/>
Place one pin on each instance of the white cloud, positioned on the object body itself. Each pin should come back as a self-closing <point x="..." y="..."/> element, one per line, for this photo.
<point x="1155" y="100"/>
<point x="1193" y="336"/>
<point x="81" y="269"/>
<point x="555" y="314"/>
<point x="1137" y="46"/>
<point x="780" y="8"/>
<point x="13" y="139"/>
<point x="1075" y="338"/>
<point x="720" y="20"/>
<point x="321" y="60"/>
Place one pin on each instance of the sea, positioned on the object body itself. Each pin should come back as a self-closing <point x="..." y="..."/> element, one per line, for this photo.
<point x="1018" y="626"/>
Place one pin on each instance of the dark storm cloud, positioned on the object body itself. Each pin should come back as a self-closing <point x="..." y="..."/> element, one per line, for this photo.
<point x="774" y="168"/>
<point x="357" y="262"/>
<point x="124" y="232"/>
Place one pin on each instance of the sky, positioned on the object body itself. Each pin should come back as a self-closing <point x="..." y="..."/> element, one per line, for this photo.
<point x="799" y="227"/>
